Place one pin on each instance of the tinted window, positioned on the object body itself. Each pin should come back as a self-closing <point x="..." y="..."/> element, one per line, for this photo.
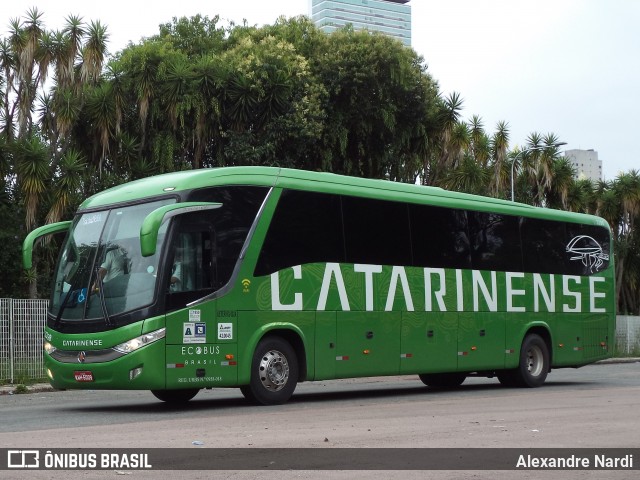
<point x="206" y="244"/>
<point x="495" y="242"/>
<point x="231" y="223"/>
<point x="376" y="232"/>
<point x="306" y="228"/>
<point x="587" y="249"/>
<point x="564" y="248"/>
<point x="440" y="237"/>
<point x="543" y="246"/>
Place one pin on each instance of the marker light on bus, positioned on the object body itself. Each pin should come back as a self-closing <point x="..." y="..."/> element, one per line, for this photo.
<point x="141" y="341"/>
<point x="135" y="372"/>
<point x="49" y="348"/>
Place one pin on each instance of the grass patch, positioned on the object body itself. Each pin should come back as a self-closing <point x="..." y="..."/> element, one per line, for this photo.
<point x="25" y="372"/>
<point x="21" y="388"/>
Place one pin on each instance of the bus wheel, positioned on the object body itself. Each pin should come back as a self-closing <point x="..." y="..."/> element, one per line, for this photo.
<point x="274" y="372"/>
<point x="534" y="364"/>
<point x="175" y="396"/>
<point x="443" y="380"/>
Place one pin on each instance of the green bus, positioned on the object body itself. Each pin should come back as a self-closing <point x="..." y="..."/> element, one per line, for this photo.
<point x="261" y="277"/>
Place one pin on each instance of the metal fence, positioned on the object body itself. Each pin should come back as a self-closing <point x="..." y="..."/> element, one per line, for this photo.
<point x="628" y="335"/>
<point x="21" y="328"/>
<point x="22" y="324"/>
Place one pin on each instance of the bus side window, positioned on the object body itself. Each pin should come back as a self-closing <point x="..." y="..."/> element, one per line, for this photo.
<point x="440" y="237"/>
<point x="306" y="228"/>
<point x="495" y="242"/>
<point x="185" y="266"/>
<point x="543" y="245"/>
<point x="376" y="232"/>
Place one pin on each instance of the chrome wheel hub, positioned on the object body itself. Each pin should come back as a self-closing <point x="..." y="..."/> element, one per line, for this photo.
<point x="273" y="370"/>
<point x="535" y="361"/>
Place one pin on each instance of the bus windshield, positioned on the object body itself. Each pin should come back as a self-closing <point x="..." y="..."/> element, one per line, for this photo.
<point x="101" y="272"/>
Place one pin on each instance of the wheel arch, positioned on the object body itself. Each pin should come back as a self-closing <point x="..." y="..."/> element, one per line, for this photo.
<point x="288" y="332"/>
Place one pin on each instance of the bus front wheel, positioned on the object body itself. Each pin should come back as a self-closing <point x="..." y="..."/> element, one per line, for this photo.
<point x="175" y="396"/>
<point x="274" y="372"/>
<point x="533" y="367"/>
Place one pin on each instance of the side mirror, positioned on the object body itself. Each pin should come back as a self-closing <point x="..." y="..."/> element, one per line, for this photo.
<point x="152" y="222"/>
<point x="27" y="245"/>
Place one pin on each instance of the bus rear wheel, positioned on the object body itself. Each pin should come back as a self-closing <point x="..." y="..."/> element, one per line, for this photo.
<point x="443" y="380"/>
<point x="274" y="372"/>
<point x="176" y="396"/>
<point x="533" y="367"/>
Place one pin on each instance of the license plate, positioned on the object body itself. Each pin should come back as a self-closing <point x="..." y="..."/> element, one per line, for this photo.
<point x="84" y="376"/>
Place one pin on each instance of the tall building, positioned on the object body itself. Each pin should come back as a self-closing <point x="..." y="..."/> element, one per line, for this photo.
<point x="392" y="17"/>
<point x="586" y="164"/>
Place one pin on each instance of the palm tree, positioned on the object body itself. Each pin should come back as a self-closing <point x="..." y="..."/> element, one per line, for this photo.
<point x="449" y="116"/>
<point x="627" y="188"/>
<point x="24" y="41"/>
<point x="101" y="109"/>
<point x="562" y="184"/>
<point x="208" y="78"/>
<point x="608" y="206"/>
<point x="38" y="121"/>
<point x="501" y="169"/>
<point x="8" y="68"/>
<point x="469" y="177"/>
<point x="31" y="161"/>
<point x="93" y="53"/>
<point x="459" y="144"/>
<point x="66" y="185"/>
<point x="72" y="35"/>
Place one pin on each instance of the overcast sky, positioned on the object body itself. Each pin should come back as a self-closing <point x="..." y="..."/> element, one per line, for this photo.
<point x="571" y="67"/>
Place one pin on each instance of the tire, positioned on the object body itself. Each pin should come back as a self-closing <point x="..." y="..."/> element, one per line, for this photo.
<point x="443" y="380"/>
<point x="274" y="372"/>
<point x="175" y="396"/>
<point x="533" y="367"/>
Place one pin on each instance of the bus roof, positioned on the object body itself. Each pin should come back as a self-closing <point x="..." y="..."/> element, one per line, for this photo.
<point x="176" y="182"/>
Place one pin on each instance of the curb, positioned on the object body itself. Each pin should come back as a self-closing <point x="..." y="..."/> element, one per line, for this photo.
<point x="35" y="388"/>
<point x="618" y="360"/>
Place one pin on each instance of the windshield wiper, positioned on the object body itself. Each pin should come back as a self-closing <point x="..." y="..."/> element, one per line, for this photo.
<point x="63" y="305"/>
<point x="103" y="303"/>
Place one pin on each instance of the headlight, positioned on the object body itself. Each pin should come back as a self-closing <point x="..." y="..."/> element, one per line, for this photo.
<point x="141" y="341"/>
<point x="49" y="348"/>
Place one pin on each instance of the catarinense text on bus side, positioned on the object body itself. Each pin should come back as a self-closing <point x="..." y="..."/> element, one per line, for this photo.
<point x="376" y="288"/>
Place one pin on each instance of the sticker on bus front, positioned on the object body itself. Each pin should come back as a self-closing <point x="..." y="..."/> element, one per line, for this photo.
<point x="225" y="331"/>
<point x="194" y="332"/>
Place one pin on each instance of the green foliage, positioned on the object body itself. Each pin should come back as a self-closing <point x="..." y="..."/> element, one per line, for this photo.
<point x="380" y="106"/>
<point x="195" y="36"/>
<point x="21" y="388"/>
<point x="11" y="284"/>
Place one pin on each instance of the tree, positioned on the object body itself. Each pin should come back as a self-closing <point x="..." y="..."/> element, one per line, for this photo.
<point x="438" y="161"/>
<point x="381" y="106"/>
<point x="501" y="178"/>
<point x="41" y="112"/>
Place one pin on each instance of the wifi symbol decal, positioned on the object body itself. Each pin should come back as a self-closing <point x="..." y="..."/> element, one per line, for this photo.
<point x="246" y="283"/>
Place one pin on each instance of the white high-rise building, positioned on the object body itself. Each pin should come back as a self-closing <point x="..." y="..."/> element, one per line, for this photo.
<point x="392" y="17"/>
<point x="586" y="164"/>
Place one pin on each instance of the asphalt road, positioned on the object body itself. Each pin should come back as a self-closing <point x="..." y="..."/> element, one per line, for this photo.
<point x="596" y="407"/>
